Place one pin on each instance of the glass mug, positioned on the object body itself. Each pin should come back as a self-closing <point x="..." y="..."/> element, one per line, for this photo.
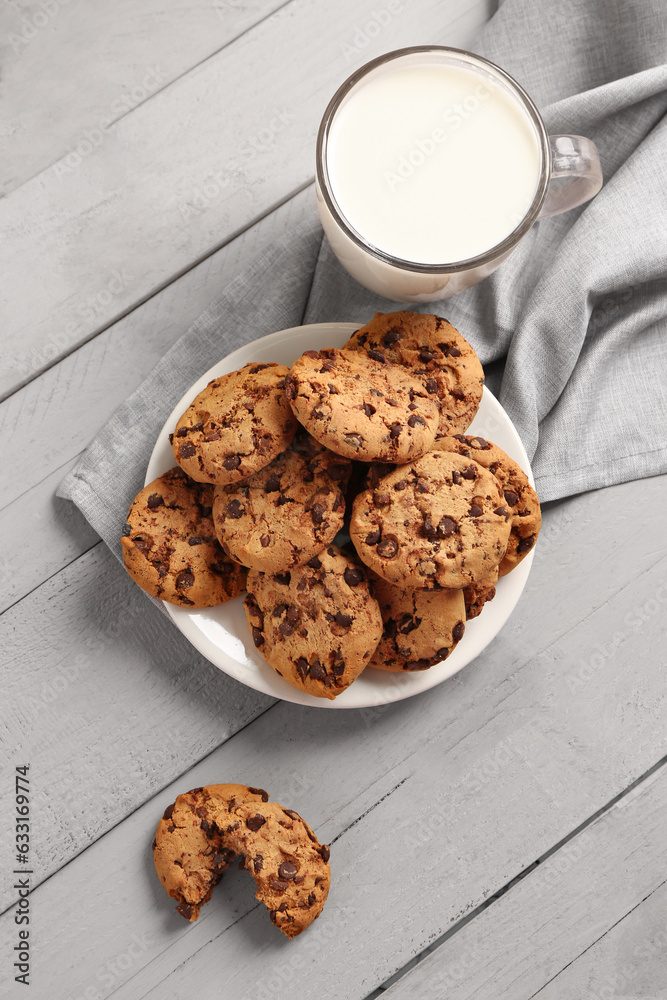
<point x="432" y="153"/>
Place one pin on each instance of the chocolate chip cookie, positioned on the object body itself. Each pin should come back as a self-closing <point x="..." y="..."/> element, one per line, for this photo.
<point x="475" y="598"/>
<point x="361" y="407"/>
<point x="421" y="627"/>
<point x="436" y="353"/>
<point x="317" y="626"/>
<point x="201" y="833"/>
<point x="236" y="425"/>
<point x="441" y="519"/>
<point x="170" y="548"/>
<point x="519" y="496"/>
<point x="288" y="512"/>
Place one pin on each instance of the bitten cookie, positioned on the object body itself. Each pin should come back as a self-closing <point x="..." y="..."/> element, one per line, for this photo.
<point x="519" y="496"/>
<point x="284" y="515"/>
<point x="421" y="627"/>
<point x="317" y="626"/>
<point x="201" y="833"/>
<point x="171" y="550"/>
<point x="362" y="408"/>
<point x="439" y="520"/>
<point x="236" y="425"/>
<point x="436" y="353"/>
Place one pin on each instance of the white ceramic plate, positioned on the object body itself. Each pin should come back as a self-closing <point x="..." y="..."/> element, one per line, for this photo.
<point x="222" y="634"/>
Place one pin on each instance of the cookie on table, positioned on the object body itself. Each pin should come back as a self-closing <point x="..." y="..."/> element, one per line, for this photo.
<point x="519" y="496"/>
<point x="362" y="408"/>
<point x="436" y="353"/>
<point x="421" y="627"/>
<point x="236" y="425"/>
<point x="318" y="625"/>
<point x="201" y="833"/>
<point x="282" y="516"/>
<point x="440" y="520"/>
<point x="171" y="550"/>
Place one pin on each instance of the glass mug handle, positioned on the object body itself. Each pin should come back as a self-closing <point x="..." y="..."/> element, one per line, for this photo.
<point x="576" y="174"/>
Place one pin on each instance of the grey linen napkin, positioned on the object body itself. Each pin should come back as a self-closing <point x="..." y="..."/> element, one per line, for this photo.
<point x="571" y="329"/>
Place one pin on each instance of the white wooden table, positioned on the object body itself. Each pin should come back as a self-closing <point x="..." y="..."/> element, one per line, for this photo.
<point x="502" y="836"/>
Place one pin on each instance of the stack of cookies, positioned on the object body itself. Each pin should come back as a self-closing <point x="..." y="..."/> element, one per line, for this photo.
<point x="273" y="463"/>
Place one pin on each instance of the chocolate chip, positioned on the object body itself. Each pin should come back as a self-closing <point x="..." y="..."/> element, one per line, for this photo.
<point x="232" y="462"/>
<point x="525" y="544"/>
<point x="388" y="547"/>
<point x="391" y="336"/>
<point x="184" y="579"/>
<point x="235" y="509"/>
<point x="127" y="529"/>
<point x="291" y="388"/>
<point x="456" y="478"/>
<point x="395" y="430"/>
<point x="427" y="529"/>
<point x="255" y="822"/>
<point x="511" y="497"/>
<point x="287" y="870"/>
<point x="446" y="527"/>
<point x="377" y="355"/>
<point x="408" y="624"/>
<point x="457" y="393"/>
<point x="381" y="499"/>
<point x="352" y="576"/>
<point x="317" y="513"/>
<point x="469" y="473"/>
<point x="368" y="409"/>
<point x="480" y="443"/>
<point x="338" y="668"/>
<point x="142" y="544"/>
<point x="344" y="620"/>
<point x="286" y="628"/>
<point x="302" y="666"/>
<point x="181" y="432"/>
<point x="272" y="484"/>
<point x="313" y="355"/>
<point x="354" y="440"/>
<point x="258" y="862"/>
<point x="278" y="884"/>
<point x="458" y="630"/>
<point x="416" y="421"/>
<point x="279" y="610"/>
<point x="194" y="540"/>
<point x="259" y="791"/>
<point x="265" y="541"/>
<point x="283" y="578"/>
<point x="186" y="450"/>
<point x="449" y="350"/>
<point x="155" y="500"/>
<point x="373" y="537"/>
<point x="425" y="355"/>
<point x="257" y="636"/>
<point x="282" y="500"/>
<point x="324" y="852"/>
<point x="317" y="671"/>
<point x="212" y="436"/>
<point x="185" y="910"/>
<point x="431" y="385"/>
<point x="475" y="510"/>
<point x="169" y="811"/>
<point x="422" y="487"/>
<point x="502" y="511"/>
<point x="293" y="614"/>
<point x="314" y="563"/>
<point x="311" y="898"/>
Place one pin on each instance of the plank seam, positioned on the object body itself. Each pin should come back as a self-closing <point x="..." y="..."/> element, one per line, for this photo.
<point x="460" y="924"/>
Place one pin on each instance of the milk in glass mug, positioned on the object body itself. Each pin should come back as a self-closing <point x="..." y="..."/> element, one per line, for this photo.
<point x="432" y="165"/>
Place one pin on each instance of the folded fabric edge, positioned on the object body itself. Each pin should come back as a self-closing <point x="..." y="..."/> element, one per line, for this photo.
<point x="631" y="467"/>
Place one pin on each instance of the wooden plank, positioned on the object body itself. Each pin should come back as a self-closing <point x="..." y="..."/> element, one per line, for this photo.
<point x="56" y="414"/>
<point x="581" y="924"/>
<point x="73" y="67"/>
<point x="184" y="171"/>
<point x="548" y="725"/>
